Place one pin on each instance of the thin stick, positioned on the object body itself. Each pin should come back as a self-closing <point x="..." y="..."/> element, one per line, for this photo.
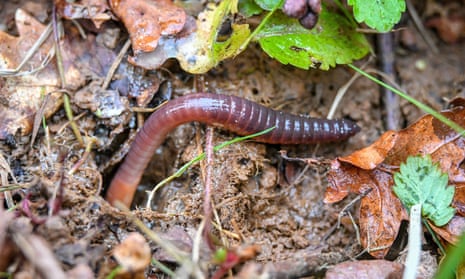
<point x="61" y="71"/>
<point x="419" y="25"/>
<point x="341" y="92"/>
<point x="115" y="64"/>
<point x="43" y="37"/>
<point x="390" y="101"/>
<point x="207" y="204"/>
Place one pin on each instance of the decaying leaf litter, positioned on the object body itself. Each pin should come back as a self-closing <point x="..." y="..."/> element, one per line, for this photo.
<point x="289" y="223"/>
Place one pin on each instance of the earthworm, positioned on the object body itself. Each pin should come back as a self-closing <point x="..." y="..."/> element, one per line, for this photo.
<point x="229" y="112"/>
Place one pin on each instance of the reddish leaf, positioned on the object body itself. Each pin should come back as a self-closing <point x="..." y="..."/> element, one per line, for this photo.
<point x="369" y="171"/>
<point x="147" y="20"/>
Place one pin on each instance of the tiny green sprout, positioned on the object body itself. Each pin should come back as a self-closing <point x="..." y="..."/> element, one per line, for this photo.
<point x="220" y="255"/>
<point x="421" y="181"/>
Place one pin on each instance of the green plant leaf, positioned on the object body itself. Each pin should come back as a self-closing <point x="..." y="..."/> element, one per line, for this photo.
<point x="268" y="4"/>
<point x="420" y="181"/>
<point x="249" y="8"/>
<point x="333" y="41"/>
<point x="381" y="15"/>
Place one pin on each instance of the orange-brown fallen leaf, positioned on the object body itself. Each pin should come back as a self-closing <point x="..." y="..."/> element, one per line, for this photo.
<point x="147" y="20"/>
<point x="370" y="172"/>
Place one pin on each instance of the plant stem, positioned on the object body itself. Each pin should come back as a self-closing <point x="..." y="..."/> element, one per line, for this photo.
<point x="434" y="236"/>
<point x="452" y="260"/>
<point x="418" y="104"/>
<point x="414" y="243"/>
<point x="259" y="27"/>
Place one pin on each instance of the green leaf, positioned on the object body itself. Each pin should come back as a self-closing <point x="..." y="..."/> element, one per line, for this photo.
<point x="249" y="8"/>
<point x="333" y="41"/>
<point x="268" y="4"/>
<point x="381" y="15"/>
<point x="420" y="181"/>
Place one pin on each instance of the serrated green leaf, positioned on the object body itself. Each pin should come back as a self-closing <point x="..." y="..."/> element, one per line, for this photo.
<point x="268" y="4"/>
<point x="249" y="8"/>
<point x="381" y="15"/>
<point x="420" y="181"/>
<point x="333" y="41"/>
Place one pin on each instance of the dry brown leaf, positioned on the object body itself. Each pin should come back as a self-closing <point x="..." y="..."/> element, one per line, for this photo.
<point x="21" y="98"/>
<point x="370" y="172"/>
<point x="448" y="19"/>
<point x="147" y="20"/>
<point x="22" y="95"/>
<point x="96" y="10"/>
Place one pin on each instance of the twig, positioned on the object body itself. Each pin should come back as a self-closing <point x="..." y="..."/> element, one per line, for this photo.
<point x="180" y="256"/>
<point x="39" y="254"/>
<point x="197" y="240"/>
<point x="43" y="37"/>
<point x="390" y="101"/>
<point x="169" y="247"/>
<point x="341" y="92"/>
<point x="163" y="268"/>
<point x="4" y="180"/>
<point x="207" y="204"/>
<point x="61" y="71"/>
<point x="115" y="64"/>
<point x="419" y="25"/>
<point x="84" y="157"/>
<point x="38" y="118"/>
<point x="57" y="196"/>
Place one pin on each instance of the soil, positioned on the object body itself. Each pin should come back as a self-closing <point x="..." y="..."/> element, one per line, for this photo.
<point x="261" y="199"/>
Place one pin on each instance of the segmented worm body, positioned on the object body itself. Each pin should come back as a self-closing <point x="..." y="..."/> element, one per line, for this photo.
<point x="229" y="112"/>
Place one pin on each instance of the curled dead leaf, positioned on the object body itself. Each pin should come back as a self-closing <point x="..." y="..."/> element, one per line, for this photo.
<point x="147" y="20"/>
<point x="369" y="172"/>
